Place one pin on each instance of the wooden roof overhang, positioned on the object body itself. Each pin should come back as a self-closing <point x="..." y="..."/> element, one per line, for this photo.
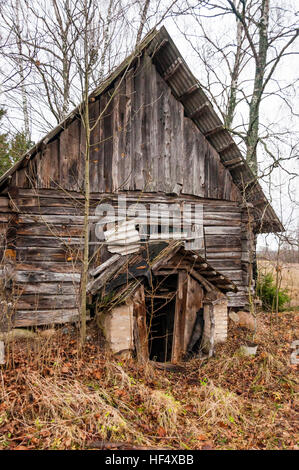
<point x="117" y="279"/>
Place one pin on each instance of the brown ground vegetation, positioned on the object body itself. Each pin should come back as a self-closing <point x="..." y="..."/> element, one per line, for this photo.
<point x="289" y="275"/>
<point x="53" y="398"/>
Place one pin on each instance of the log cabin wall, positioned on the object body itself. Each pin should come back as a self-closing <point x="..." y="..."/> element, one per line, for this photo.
<point x="40" y="264"/>
<point x="142" y="145"/>
<point x="48" y="240"/>
<point x="5" y="217"/>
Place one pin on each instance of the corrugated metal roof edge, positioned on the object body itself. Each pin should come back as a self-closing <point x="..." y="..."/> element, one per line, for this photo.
<point x="249" y="182"/>
<point x="153" y="42"/>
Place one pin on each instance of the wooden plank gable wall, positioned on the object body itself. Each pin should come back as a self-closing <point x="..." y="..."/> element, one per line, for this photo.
<point x="143" y="142"/>
<point x="142" y="145"/>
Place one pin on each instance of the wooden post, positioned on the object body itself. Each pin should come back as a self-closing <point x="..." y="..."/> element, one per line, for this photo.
<point x="140" y="328"/>
<point x="193" y="305"/>
<point x="179" y="318"/>
<point x="212" y="329"/>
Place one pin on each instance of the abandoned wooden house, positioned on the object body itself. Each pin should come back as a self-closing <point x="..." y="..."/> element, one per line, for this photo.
<point x="157" y="142"/>
<point x="164" y="286"/>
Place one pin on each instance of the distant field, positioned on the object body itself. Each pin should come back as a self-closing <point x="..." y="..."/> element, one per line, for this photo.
<point x="289" y="279"/>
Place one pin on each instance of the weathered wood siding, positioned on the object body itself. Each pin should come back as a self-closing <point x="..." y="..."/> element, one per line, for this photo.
<point x="46" y="249"/>
<point x="5" y="216"/>
<point x="143" y="146"/>
<point x="142" y="141"/>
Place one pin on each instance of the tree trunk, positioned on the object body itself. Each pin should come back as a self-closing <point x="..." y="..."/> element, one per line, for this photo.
<point x="254" y="108"/>
<point x="86" y="123"/>
<point x="21" y="72"/>
<point x="232" y="100"/>
<point x="86" y="226"/>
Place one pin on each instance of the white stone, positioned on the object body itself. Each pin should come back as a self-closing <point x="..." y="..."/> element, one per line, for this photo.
<point x="220" y="318"/>
<point x="118" y="328"/>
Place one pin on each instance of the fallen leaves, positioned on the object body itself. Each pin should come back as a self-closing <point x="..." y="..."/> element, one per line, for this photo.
<point x="97" y="374"/>
<point x="161" y="432"/>
<point x="265" y="385"/>
<point x="202" y="437"/>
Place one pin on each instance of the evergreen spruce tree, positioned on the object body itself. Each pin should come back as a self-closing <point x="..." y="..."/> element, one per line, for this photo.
<point x="11" y="147"/>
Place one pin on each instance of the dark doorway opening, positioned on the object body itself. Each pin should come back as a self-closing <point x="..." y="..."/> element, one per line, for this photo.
<point x="160" y="319"/>
<point x="194" y="345"/>
<point x="160" y="313"/>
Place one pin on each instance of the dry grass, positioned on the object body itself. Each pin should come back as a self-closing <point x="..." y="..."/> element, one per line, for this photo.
<point x="164" y="407"/>
<point x="51" y="398"/>
<point x="215" y="405"/>
<point x="289" y="277"/>
<point x="69" y="410"/>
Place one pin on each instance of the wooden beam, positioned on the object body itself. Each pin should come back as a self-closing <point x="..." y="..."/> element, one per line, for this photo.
<point x="165" y="272"/>
<point x="212" y="330"/>
<point x="236" y="165"/>
<point x="96" y="284"/>
<point x="179" y="318"/>
<point x="202" y="266"/>
<point x="189" y="91"/>
<point x="233" y="161"/>
<point x="48" y="288"/>
<point x="159" y="47"/>
<point x="103" y="266"/>
<point x="44" y="317"/>
<point x="140" y="327"/>
<point x="227" y="287"/>
<point x="45" y="276"/>
<point x="172" y="68"/>
<point x="195" y="294"/>
<point x="203" y="272"/>
<point x="2" y="354"/>
<point x="165" y="260"/>
<point x="172" y="265"/>
<point x="225" y="148"/>
<point x="46" y="302"/>
<point x="202" y="280"/>
<point x="25" y="161"/>
<point x="214" y="278"/>
<point x="213" y="131"/>
<point x="201" y="110"/>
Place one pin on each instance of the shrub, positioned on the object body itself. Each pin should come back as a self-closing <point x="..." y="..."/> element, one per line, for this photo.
<point x="267" y="292"/>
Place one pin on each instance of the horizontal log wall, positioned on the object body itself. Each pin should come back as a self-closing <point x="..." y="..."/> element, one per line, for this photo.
<point x="141" y="142"/>
<point x="47" y="248"/>
<point x="5" y="216"/>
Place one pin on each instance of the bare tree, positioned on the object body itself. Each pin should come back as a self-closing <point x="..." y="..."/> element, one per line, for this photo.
<point x="247" y="67"/>
<point x="242" y="68"/>
<point x="44" y="38"/>
<point x="143" y="17"/>
<point x="21" y="71"/>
